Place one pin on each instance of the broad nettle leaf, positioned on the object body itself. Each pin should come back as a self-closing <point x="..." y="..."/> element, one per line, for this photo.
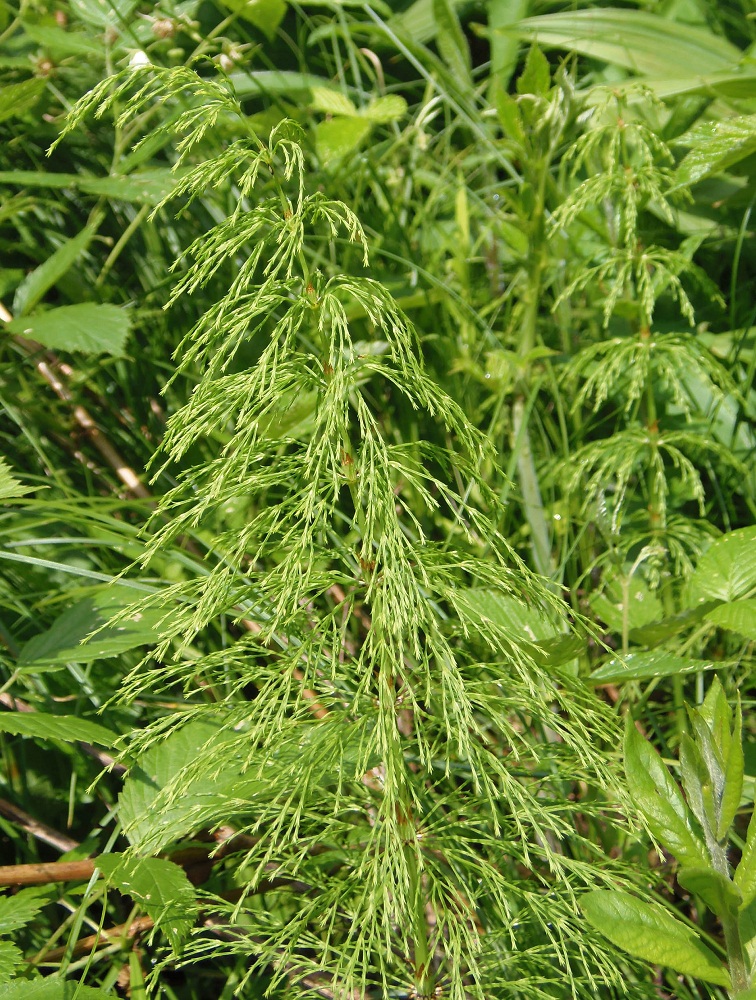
<point x="649" y="932"/>
<point x="535" y="78"/>
<point x="643" y="604"/>
<point x="10" y="488"/>
<point x="332" y="102"/>
<point x="737" y="616"/>
<point x="715" y="146"/>
<point x="91" y="327"/>
<point x="477" y="605"/>
<point x="727" y="570"/>
<point x="146" y="187"/>
<point x="202" y="797"/>
<point x="263" y="14"/>
<point x="67" y="728"/>
<point x="160" y="887"/>
<point x="660" y="800"/>
<point x="646" y="44"/>
<point x="19" y="909"/>
<point x="383" y="110"/>
<point x="336" y="138"/>
<point x="694" y="778"/>
<point x="10" y="959"/>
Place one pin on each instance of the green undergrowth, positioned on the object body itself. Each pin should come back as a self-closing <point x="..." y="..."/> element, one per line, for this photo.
<point x="377" y="429"/>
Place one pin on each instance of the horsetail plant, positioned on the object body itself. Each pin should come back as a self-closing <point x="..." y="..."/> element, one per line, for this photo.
<point x="366" y="731"/>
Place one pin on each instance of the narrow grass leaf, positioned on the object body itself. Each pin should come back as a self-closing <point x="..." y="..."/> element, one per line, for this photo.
<point x="644" y="43"/>
<point x="35" y="285"/>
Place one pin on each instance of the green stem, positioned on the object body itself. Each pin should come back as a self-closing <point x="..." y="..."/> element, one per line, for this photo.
<point x="123" y="240"/>
<point x="739" y="976"/>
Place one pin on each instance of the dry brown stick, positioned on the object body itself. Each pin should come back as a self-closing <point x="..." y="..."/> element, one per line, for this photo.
<point x="36" y="828"/>
<point x="55" y="373"/>
<point x="43" y="873"/>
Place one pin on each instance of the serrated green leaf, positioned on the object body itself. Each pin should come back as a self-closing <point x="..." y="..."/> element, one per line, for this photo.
<point x="64" y="41"/>
<point x="151" y="829"/>
<point x="160" y="887"/>
<point x="643" y="666"/>
<point x="535" y="78"/>
<point x="383" y="110"/>
<point x="715" y="146"/>
<point x="104" y="13"/>
<point x="266" y="15"/>
<point x="90" y="327"/>
<point x="713" y="784"/>
<point x="478" y="605"/>
<point x="715" y="889"/>
<point x="649" y="932"/>
<point x="276" y="81"/>
<point x="658" y="632"/>
<point x="10" y="488"/>
<point x="643" y="604"/>
<point x="660" y="800"/>
<point x="41" y="279"/>
<point x="19" y="909"/>
<point x="68" y="728"/>
<point x="726" y="571"/>
<point x="18" y="98"/>
<point x="332" y="102"/>
<point x="50" y="988"/>
<point x="64" y="642"/>
<point x="644" y="43"/>
<point x="10" y="959"/>
<point x="510" y="118"/>
<point x="336" y="138"/>
<point x="737" y="616"/>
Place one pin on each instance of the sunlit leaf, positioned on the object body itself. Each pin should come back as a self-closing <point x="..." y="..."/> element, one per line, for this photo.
<point x="650" y="932"/>
<point x="94" y="328"/>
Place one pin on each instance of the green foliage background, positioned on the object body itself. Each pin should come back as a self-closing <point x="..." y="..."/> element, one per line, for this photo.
<point x="377" y="432"/>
